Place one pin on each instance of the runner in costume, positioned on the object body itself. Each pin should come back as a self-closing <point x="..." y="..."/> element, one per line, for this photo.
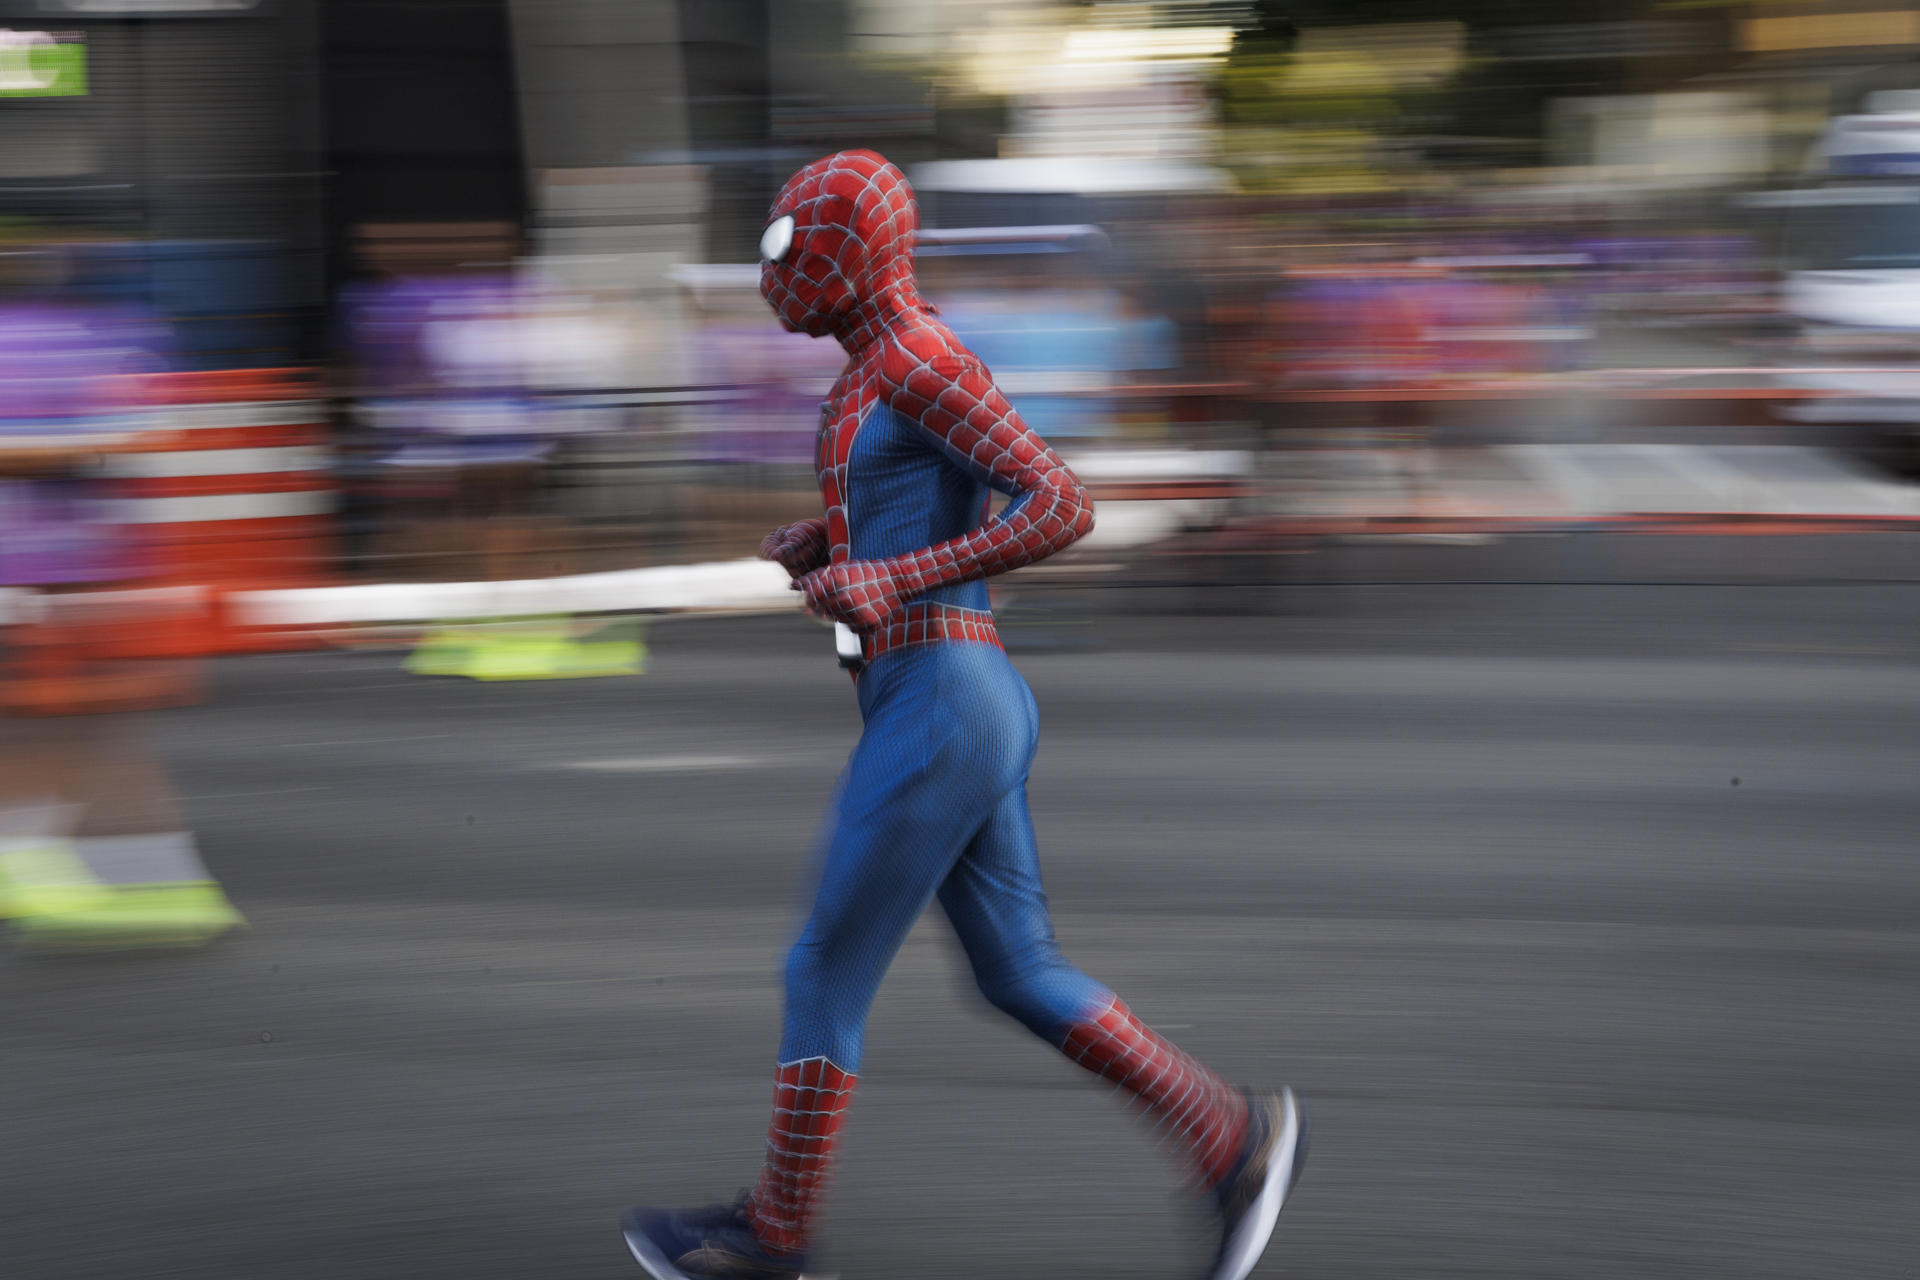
<point x="913" y="438"/>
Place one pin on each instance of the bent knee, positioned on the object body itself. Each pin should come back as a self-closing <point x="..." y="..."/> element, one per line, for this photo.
<point x="1045" y="997"/>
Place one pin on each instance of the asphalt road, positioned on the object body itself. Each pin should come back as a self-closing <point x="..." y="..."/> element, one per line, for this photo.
<point x="1471" y="869"/>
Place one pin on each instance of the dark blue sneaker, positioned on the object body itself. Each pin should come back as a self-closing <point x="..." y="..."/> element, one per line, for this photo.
<point x="1269" y="1165"/>
<point x="714" y="1243"/>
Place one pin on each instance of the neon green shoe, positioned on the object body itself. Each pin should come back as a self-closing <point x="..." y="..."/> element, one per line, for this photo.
<point x="601" y="655"/>
<point x="443" y="651"/>
<point x="134" y="915"/>
<point x="52" y="897"/>
<point x="46" y="878"/>
<point x="549" y="652"/>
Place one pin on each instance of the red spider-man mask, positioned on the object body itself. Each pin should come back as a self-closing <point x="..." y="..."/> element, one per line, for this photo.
<point x="838" y="238"/>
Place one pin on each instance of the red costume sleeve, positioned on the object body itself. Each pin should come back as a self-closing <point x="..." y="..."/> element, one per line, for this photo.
<point x="929" y="380"/>
<point x="953" y="398"/>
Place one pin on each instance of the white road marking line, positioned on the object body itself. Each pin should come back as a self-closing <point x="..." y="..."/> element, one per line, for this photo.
<point x="663" y="764"/>
<point x="358" y="742"/>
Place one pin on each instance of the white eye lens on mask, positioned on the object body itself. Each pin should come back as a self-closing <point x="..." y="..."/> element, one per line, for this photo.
<point x="777" y="238"/>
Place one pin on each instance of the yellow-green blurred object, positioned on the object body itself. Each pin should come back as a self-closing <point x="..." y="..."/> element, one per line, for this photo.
<point x="530" y="650"/>
<point x="45" y="877"/>
<point x="442" y="651"/>
<point x="50" y="896"/>
<point x="135" y="915"/>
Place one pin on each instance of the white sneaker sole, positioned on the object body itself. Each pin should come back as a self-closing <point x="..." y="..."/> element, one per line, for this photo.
<point x="656" y="1264"/>
<point x="1249" y="1239"/>
<point x="648" y="1255"/>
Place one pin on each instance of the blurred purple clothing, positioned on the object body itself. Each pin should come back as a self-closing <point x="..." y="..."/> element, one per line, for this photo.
<point x="445" y="369"/>
<point x="49" y="535"/>
<point x="764" y="387"/>
<point x="64" y="373"/>
<point x="59" y="365"/>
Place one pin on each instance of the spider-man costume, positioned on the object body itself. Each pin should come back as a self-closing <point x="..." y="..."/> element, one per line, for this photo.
<point x="913" y="437"/>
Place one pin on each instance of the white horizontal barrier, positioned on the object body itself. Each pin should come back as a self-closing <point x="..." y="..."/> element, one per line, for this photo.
<point x="176" y="463"/>
<point x="231" y="414"/>
<point x="215" y="507"/>
<point x="1160" y="464"/>
<point x="718" y="586"/>
<point x="725" y="585"/>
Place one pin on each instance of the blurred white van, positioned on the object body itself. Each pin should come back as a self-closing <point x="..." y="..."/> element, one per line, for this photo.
<point x="1850" y="248"/>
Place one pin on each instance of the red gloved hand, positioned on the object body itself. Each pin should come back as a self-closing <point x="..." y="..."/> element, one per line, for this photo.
<point x="864" y="594"/>
<point x="799" y="548"/>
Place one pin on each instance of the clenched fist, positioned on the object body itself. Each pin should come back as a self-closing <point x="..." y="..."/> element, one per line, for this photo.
<point x="864" y="594"/>
<point x="799" y="548"/>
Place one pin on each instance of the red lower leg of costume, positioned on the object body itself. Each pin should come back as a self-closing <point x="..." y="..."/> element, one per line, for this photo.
<point x="1192" y="1103"/>
<point x="810" y="1098"/>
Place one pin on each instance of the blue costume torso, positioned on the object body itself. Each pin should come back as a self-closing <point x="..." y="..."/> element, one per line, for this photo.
<point x="914" y="439"/>
<point x="934" y="798"/>
<point x="903" y="494"/>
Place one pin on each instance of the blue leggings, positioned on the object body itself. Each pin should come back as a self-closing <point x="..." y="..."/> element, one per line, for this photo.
<point x="933" y="801"/>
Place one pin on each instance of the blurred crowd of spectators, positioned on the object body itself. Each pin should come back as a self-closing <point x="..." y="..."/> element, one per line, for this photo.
<point x="475" y="394"/>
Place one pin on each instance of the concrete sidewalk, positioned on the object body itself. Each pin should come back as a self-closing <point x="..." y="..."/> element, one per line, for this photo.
<point x="1579" y="483"/>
